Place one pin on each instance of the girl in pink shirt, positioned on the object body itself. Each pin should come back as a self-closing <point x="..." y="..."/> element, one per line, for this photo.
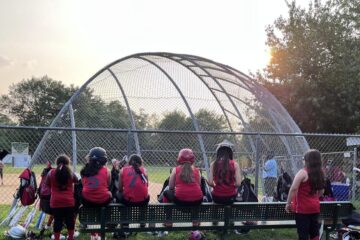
<point x="96" y="178"/>
<point x="304" y="194"/>
<point x="62" y="202"/>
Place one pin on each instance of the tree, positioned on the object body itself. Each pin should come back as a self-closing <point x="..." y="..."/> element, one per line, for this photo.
<point x="315" y="66"/>
<point x="36" y="101"/>
<point x="5" y="120"/>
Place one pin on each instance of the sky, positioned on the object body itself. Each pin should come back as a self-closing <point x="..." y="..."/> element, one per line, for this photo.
<point x="70" y="40"/>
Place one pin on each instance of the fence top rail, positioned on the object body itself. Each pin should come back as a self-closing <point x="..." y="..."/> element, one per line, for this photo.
<point x="177" y="131"/>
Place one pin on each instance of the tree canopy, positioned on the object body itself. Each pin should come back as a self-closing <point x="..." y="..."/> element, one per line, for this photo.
<point x="315" y="66"/>
<point x="35" y="101"/>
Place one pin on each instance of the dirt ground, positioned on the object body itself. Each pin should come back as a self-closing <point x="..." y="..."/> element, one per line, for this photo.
<point x="11" y="183"/>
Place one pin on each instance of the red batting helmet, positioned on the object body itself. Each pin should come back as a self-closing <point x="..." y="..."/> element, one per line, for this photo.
<point x="186" y="155"/>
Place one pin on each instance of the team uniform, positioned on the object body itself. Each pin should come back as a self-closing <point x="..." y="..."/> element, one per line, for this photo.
<point x="307" y="210"/>
<point x="62" y="202"/>
<point x="188" y="193"/>
<point x="225" y="193"/>
<point x="95" y="190"/>
<point x="135" y="186"/>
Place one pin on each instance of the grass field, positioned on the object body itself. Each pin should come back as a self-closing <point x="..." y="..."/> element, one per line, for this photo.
<point x="278" y="234"/>
<point x="156" y="173"/>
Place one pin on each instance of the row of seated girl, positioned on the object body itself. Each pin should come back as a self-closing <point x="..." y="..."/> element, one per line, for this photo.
<point x="184" y="183"/>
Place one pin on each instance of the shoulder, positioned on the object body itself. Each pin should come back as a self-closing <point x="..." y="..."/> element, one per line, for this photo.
<point x="236" y="165"/>
<point x="302" y="173"/>
<point x="196" y="169"/>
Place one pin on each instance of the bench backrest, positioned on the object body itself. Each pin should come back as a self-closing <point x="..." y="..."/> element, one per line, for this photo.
<point x="206" y="212"/>
<point x="276" y="211"/>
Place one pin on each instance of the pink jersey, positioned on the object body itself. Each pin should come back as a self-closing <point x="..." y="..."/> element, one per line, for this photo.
<point x="222" y="189"/>
<point x="304" y="202"/>
<point x="95" y="188"/>
<point x="188" y="192"/>
<point x="61" y="198"/>
<point x="135" y="188"/>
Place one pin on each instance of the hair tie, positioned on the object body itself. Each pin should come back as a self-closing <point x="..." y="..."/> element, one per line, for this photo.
<point x="60" y="166"/>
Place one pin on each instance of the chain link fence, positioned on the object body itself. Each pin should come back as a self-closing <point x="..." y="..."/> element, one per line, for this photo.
<point x="159" y="150"/>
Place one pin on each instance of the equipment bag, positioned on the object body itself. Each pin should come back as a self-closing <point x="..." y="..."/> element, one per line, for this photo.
<point x="27" y="191"/>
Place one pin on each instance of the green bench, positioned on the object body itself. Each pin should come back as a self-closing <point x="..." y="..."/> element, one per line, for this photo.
<point x="212" y="217"/>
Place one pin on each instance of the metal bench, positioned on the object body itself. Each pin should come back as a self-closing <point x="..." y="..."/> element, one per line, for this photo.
<point x="212" y="217"/>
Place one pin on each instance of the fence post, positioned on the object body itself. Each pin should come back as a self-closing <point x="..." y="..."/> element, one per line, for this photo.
<point x="73" y="137"/>
<point x="353" y="188"/>
<point x="257" y="163"/>
<point x="129" y="144"/>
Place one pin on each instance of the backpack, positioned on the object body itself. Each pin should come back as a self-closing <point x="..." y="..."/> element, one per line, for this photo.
<point x="44" y="190"/>
<point x="160" y="196"/>
<point x="328" y="192"/>
<point x="246" y="192"/>
<point x="205" y="190"/>
<point x="27" y="191"/>
<point x="114" y="184"/>
<point x="77" y="194"/>
<point x="352" y="219"/>
<point x="283" y="186"/>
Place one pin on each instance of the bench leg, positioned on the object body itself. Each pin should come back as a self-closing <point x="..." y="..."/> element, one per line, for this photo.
<point x="102" y="235"/>
<point x="327" y="233"/>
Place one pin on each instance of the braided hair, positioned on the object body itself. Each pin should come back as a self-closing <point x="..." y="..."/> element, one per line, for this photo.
<point x="136" y="162"/>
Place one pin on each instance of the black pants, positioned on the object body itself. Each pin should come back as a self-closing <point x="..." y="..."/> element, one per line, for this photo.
<point x="307" y="225"/>
<point x="224" y="200"/>
<point x="1" y="173"/>
<point x="170" y="195"/>
<point x="62" y="215"/>
<point x="88" y="203"/>
<point x="135" y="204"/>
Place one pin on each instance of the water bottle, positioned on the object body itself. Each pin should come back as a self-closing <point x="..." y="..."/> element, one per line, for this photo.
<point x="348" y="181"/>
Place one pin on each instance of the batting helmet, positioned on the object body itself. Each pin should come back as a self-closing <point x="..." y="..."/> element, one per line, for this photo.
<point x="186" y="155"/>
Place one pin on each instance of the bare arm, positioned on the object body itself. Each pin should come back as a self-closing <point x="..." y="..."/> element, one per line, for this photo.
<point x="237" y="175"/>
<point x="199" y="177"/>
<point x="299" y="178"/>
<point x="108" y="177"/>
<point x="120" y="182"/>
<point x="172" y="179"/>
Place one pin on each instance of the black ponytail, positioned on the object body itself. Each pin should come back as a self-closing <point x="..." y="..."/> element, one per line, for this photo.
<point x="63" y="172"/>
<point x="136" y="162"/>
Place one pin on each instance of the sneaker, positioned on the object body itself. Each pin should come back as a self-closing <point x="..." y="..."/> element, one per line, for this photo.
<point x="95" y="237"/>
<point x="162" y="233"/>
<point x="76" y="234"/>
<point x="62" y="237"/>
<point x="47" y="227"/>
